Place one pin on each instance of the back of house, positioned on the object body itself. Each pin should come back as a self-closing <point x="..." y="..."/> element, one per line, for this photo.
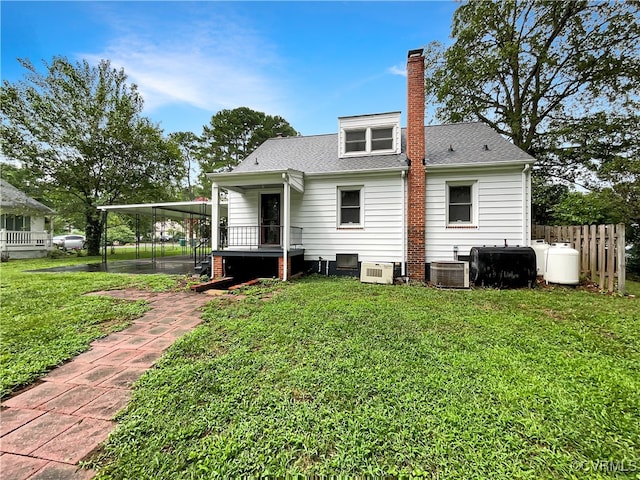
<point x="373" y="192"/>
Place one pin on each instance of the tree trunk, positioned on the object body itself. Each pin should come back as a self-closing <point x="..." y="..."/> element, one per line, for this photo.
<point x="93" y="231"/>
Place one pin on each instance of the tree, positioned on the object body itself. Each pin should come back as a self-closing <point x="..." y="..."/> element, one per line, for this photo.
<point x="188" y="143"/>
<point x="78" y="128"/>
<point x="561" y="79"/>
<point x="232" y="135"/>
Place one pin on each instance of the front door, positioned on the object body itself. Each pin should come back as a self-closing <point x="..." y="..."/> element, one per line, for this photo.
<point x="270" y="219"/>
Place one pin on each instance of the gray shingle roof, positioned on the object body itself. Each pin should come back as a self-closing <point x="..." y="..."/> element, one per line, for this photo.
<point x="319" y="153"/>
<point x="12" y="198"/>
<point x="468" y="140"/>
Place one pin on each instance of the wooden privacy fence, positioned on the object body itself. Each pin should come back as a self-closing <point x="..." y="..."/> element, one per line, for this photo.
<point x="601" y="247"/>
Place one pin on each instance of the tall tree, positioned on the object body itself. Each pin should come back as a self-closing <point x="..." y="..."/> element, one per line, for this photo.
<point x="232" y="135"/>
<point x="552" y="76"/>
<point x="188" y="143"/>
<point x="79" y="128"/>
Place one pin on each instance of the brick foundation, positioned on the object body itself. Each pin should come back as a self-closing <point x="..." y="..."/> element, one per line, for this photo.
<point x="281" y="267"/>
<point x="218" y="270"/>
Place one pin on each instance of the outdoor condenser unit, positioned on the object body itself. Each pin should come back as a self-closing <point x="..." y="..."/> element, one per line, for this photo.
<point x="451" y="274"/>
<point x="376" y="272"/>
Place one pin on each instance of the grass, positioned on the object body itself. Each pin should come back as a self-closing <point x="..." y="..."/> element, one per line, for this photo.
<point x="46" y="319"/>
<point x="333" y="377"/>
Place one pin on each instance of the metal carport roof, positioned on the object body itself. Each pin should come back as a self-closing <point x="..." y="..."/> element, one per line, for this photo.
<point x="165" y="209"/>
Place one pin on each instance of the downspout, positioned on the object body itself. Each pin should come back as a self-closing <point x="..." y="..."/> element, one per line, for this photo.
<point x="403" y="181"/>
<point x="285" y="233"/>
<point x="525" y="206"/>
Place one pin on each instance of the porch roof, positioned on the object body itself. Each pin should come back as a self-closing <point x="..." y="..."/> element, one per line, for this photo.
<point x="240" y="181"/>
<point x="13" y="199"/>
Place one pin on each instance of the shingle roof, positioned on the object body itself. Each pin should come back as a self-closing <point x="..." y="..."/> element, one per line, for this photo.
<point x="12" y="198"/>
<point x="464" y="143"/>
<point x="319" y="153"/>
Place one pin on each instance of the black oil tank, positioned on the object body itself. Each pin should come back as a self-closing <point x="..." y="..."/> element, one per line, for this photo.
<point x="502" y="267"/>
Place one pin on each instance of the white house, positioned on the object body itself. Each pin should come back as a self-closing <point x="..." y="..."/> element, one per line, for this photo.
<point x="372" y="192"/>
<point x="23" y="231"/>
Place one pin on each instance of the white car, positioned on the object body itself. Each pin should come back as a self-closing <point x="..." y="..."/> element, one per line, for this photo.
<point x="69" y="242"/>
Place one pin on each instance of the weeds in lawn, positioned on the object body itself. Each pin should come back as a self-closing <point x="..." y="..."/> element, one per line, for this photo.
<point x="333" y="377"/>
<point x="46" y="319"/>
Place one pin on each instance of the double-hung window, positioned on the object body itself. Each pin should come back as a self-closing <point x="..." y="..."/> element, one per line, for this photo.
<point x="349" y="206"/>
<point x="461" y="204"/>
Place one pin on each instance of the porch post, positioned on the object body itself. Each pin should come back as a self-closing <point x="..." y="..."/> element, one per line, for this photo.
<point x="286" y="227"/>
<point x="215" y="217"/>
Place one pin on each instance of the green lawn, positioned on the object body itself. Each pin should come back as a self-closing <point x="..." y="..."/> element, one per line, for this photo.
<point x="45" y="319"/>
<point x="333" y="377"/>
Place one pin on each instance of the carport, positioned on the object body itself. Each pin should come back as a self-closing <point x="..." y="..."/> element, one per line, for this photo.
<point x="193" y="216"/>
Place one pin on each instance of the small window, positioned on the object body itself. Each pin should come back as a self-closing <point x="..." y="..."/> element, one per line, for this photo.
<point x="381" y="139"/>
<point x="460" y="204"/>
<point x="349" y="207"/>
<point x="346" y="261"/>
<point x="355" y="141"/>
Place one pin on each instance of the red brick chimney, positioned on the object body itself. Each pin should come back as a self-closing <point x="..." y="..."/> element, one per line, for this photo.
<point x="416" y="177"/>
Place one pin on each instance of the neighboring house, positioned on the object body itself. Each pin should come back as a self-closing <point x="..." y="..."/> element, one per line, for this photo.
<point x="22" y="224"/>
<point x="373" y="192"/>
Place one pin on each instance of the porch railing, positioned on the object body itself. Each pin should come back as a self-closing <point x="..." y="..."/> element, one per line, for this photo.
<point x="258" y="236"/>
<point x="10" y="238"/>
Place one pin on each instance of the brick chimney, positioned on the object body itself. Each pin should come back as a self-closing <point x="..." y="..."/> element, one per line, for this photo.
<point x="416" y="177"/>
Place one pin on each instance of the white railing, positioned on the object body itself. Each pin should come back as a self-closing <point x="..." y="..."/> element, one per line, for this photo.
<point x="9" y="238"/>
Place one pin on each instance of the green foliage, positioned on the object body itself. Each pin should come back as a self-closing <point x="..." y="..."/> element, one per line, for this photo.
<point x="331" y="377"/>
<point x="121" y="234"/>
<point x="593" y="208"/>
<point x="232" y="135"/>
<point x="78" y="128"/>
<point x="561" y="79"/>
<point x="46" y="318"/>
<point x="187" y="143"/>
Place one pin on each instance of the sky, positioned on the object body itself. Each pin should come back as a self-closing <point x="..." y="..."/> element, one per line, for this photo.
<point x="309" y="62"/>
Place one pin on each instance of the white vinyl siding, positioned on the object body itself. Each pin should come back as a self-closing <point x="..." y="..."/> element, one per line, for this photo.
<point x="380" y="239"/>
<point x="499" y="210"/>
<point x="316" y="212"/>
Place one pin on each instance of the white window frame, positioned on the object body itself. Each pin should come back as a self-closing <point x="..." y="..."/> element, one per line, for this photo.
<point x="368" y="141"/>
<point x="349" y="188"/>
<point x="473" y="185"/>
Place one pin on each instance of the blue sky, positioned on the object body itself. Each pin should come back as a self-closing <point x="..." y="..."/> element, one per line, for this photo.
<point x="309" y="62"/>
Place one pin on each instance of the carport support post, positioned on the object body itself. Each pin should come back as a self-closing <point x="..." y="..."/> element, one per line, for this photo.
<point x="153" y="235"/>
<point x="104" y="238"/>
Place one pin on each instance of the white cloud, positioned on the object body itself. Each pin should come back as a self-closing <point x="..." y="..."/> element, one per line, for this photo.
<point x="208" y="63"/>
<point x="396" y="70"/>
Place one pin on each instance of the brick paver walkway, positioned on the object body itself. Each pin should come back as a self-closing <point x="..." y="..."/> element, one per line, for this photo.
<point x="46" y="430"/>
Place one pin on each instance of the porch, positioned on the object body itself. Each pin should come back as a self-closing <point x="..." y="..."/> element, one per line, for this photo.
<point x="257" y="238"/>
<point x="18" y="244"/>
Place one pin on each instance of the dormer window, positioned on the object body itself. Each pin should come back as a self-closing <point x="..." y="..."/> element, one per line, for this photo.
<point x="370" y="135"/>
<point x="381" y="139"/>
<point x="355" y="141"/>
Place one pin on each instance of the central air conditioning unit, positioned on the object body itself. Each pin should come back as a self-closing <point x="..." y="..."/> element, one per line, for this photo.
<point x="450" y="274"/>
<point x="376" y="272"/>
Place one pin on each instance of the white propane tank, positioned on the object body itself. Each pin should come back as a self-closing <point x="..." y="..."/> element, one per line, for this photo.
<point x="563" y="265"/>
<point x="540" y="247"/>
